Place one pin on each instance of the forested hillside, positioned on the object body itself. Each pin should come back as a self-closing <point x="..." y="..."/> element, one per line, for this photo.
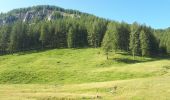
<point x="43" y="27"/>
<point x="52" y="53"/>
<point x="37" y="13"/>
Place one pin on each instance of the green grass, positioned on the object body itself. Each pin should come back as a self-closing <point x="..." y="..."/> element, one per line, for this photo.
<point x="83" y="74"/>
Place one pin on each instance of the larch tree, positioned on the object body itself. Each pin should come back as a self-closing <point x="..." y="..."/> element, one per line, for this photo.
<point x="110" y="40"/>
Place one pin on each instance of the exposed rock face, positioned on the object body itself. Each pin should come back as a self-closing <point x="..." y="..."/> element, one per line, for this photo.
<point x="32" y="14"/>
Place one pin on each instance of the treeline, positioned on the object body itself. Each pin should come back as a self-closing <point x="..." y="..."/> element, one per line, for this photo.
<point x="61" y="33"/>
<point x="137" y="39"/>
<point x="87" y="31"/>
<point x="163" y="37"/>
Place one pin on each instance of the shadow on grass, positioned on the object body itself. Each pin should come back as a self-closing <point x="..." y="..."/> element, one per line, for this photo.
<point x="127" y="61"/>
<point x="30" y="51"/>
<point x="139" y="59"/>
<point x="38" y="50"/>
<point x="44" y="50"/>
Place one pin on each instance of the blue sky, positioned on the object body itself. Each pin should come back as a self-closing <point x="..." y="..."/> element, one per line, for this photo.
<point x="154" y="13"/>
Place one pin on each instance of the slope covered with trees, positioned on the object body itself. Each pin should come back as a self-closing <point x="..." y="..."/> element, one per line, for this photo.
<point x="53" y="27"/>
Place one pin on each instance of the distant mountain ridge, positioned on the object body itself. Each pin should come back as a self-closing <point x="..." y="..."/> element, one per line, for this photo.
<point x="38" y="13"/>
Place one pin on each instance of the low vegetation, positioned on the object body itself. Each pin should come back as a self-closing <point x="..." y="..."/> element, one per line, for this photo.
<point x="51" y="53"/>
<point x="58" y="74"/>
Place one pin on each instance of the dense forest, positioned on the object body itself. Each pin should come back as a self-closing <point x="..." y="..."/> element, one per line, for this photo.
<point x="54" y="27"/>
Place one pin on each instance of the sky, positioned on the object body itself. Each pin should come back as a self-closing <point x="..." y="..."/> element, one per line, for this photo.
<point x="154" y="13"/>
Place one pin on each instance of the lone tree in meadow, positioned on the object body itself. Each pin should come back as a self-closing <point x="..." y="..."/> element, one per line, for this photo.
<point x="110" y="40"/>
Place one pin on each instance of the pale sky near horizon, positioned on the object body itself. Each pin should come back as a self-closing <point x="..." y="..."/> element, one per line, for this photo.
<point x="154" y="13"/>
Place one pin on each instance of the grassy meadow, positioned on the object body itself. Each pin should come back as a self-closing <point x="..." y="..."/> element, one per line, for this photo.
<point x="80" y="74"/>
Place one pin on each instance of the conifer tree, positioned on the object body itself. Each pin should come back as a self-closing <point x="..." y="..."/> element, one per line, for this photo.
<point x="44" y="34"/>
<point x="110" y="41"/>
<point x="144" y="43"/>
<point x="134" y="44"/>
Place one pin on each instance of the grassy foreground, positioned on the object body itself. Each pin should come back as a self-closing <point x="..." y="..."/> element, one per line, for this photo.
<point x="83" y="74"/>
<point x="135" y="89"/>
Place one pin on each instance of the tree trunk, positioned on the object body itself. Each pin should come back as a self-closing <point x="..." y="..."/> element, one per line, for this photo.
<point x="107" y="55"/>
<point x="133" y="56"/>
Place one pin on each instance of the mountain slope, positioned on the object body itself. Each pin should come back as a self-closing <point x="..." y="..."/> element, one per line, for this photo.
<point x="36" y="13"/>
<point x="66" y="66"/>
<point x="82" y="74"/>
